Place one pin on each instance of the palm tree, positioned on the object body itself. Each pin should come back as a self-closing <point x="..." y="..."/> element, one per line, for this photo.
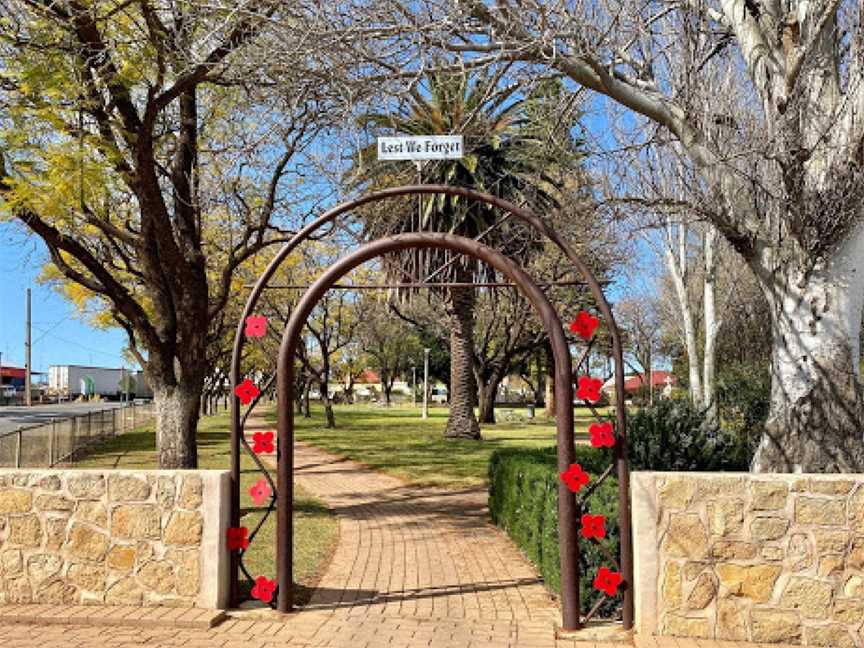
<point x="517" y="147"/>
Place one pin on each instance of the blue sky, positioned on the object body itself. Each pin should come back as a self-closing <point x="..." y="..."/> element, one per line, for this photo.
<point x="59" y="336"/>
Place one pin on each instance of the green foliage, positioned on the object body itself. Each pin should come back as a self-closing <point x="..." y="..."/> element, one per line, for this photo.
<point x="389" y="343"/>
<point x="743" y="399"/>
<point x="642" y="395"/>
<point x="523" y="486"/>
<point x="676" y="436"/>
<point x="523" y="500"/>
<point x="514" y="148"/>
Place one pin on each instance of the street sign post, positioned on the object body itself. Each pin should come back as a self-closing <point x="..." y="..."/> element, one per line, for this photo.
<point x="422" y="147"/>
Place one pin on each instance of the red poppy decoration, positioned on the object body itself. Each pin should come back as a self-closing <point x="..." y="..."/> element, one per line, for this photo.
<point x="256" y="326"/>
<point x="602" y="435"/>
<point x="238" y="538"/>
<point x="246" y="391"/>
<point x="575" y="478"/>
<point x="263" y="589"/>
<point x="589" y="389"/>
<point x="608" y="581"/>
<point x="263" y="443"/>
<point x="584" y="325"/>
<point x="593" y="526"/>
<point x="260" y="492"/>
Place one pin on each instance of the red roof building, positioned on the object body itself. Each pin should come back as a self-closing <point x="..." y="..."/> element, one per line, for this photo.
<point x="14" y="376"/>
<point x="368" y="377"/>
<point x="12" y="372"/>
<point x="635" y="382"/>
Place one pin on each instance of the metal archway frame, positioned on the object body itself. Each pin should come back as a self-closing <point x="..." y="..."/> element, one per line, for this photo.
<point x="620" y="450"/>
<point x="568" y="542"/>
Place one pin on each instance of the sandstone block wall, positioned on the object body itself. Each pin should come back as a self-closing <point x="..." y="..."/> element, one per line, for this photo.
<point x="114" y="537"/>
<point x="760" y="558"/>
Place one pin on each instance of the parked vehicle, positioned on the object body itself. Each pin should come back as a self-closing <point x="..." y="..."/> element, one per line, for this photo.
<point x="72" y="381"/>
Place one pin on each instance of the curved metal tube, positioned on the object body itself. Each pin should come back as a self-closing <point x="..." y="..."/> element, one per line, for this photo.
<point x="537" y="224"/>
<point x="568" y="541"/>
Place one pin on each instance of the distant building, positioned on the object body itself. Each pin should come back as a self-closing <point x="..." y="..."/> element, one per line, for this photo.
<point x="635" y="382"/>
<point x="368" y="377"/>
<point x="368" y="386"/>
<point x="12" y="381"/>
<point x="15" y="376"/>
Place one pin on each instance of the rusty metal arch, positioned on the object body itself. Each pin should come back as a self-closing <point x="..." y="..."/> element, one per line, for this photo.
<point x="571" y="616"/>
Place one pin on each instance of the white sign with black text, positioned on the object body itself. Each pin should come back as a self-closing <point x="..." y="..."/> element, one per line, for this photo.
<point x="424" y="147"/>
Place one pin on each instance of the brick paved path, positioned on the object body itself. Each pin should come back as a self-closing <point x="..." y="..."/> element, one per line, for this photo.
<point x="414" y="567"/>
<point x="417" y="552"/>
<point x="302" y="630"/>
<point x="308" y="629"/>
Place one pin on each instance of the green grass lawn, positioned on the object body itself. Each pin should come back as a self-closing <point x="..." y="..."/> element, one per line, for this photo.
<point x="315" y="530"/>
<point x="398" y="441"/>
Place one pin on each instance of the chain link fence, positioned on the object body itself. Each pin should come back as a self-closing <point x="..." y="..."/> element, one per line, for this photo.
<point x="62" y="440"/>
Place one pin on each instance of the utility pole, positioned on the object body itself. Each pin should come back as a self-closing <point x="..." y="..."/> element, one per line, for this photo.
<point x="425" y="383"/>
<point x="28" y="397"/>
<point x="413" y="385"/>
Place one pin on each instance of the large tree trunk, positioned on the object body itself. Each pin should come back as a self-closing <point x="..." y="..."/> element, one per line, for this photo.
<point x="815" y="420"/>
<point x="549" y="380"/>
<point x="536" y="385"/>
<point x="486" y="391"/>
<point x="712" y="326"/>
<point x="328" y="406"/>
<point x="299" y="391"/>
<point x="462" y="424"/>
<point x="177" y="412"/>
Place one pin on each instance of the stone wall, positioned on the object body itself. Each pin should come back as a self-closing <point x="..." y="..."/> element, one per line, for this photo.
<point x="114" y="537"/>
<point x="761" y="558"/>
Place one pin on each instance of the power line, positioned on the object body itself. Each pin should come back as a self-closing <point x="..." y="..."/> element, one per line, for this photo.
<point x="78" y="344"/>
<point x="52" y="327"/>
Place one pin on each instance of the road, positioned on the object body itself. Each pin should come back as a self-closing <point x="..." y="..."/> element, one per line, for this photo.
<point x="13" y="416"/>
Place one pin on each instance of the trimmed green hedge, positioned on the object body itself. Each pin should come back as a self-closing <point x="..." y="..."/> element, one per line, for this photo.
<point x="523" y="485"/>
<point x="523" y="500"/>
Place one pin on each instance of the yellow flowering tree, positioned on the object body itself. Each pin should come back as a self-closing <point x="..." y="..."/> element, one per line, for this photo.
<point x="154" y="158"/>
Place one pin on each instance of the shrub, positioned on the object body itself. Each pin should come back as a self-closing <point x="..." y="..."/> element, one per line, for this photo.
<point x="523" y="500"/>
<point x="523" y="486"/>
<point x="743" y="399"/>
<point x="676" y="436"/>
<point x="641" y="396"/>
